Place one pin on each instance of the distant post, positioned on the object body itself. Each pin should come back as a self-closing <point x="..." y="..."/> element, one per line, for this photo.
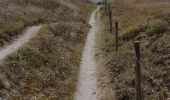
<point x="137" y="70"/>
<point x="110" y="20"/>
<point x="105" y="3"/>
<point x="116" y="36"/>
<point x="108" y="10"/>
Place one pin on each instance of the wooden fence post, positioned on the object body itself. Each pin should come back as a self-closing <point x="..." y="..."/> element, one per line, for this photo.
<point x="108" y="8"/>
<point x="116" y="35"/>
<point x="105" y="3"/>
<point x="110" y="20"/>
<point x="137" y="70"/>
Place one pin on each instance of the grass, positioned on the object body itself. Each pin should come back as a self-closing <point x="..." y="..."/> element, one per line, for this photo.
<point x="47" y="67"/>
<point x="18" y="14"/>
<point x="147" y="21"/>
<point x="157" y="27"/>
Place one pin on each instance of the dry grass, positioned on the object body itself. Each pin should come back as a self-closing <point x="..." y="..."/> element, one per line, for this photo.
<point x="47" y="67"/>
<point x="106" y="90"/>
<point x="18" y="14"/>
<point x="147" y="21"/>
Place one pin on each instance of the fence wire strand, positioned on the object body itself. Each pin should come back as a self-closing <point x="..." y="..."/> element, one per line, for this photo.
<point x="151" y="77"/>
<point x="149" y="68"/>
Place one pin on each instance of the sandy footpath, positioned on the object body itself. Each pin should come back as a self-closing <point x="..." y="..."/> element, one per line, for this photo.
<point x="27" y="35"/>
<point x="87" y="89"/>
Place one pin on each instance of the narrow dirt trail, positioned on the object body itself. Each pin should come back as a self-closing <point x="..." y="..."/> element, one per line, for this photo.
<point x="28" y="34"/>
<point x="87" y="89"/>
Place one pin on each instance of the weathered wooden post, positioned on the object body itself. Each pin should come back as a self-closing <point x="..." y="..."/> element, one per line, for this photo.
<point x="105" y="3"/>
<point x="108" y="8"/>
<point x="116" y="36"/>
<point x="110" y="20"/>
<point x="137" y="70"/>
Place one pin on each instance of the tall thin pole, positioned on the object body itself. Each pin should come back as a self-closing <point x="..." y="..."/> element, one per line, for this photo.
<point x="110" y="20"/>
<point x="137" y="70"/>
<point x="105" y="2"/>
<point x="116" y="36"/>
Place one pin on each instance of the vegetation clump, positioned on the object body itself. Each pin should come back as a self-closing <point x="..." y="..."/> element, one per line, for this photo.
<point x="157" y="27"/>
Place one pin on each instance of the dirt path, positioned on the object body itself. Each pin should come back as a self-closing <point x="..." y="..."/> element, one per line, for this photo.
<point x="28" y="34"/>
<point x="87" y="89"/>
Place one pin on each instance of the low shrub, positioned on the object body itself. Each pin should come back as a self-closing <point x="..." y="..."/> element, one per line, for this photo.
<point x="156" y="27"/>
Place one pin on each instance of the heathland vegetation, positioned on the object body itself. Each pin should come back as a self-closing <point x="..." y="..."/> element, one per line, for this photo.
<point x="144" y="20"/>
<point x="46" y="67"/>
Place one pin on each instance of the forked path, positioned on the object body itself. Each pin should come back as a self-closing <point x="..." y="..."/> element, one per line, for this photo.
<point x="27" y="35"/>
<point x="87" y="89"/>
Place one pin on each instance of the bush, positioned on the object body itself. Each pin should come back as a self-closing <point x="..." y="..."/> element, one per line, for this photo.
<point x="156" y="27"/>
<point x="133" y="31"/>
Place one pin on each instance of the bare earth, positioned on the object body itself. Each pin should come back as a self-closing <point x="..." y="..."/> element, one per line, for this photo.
<point x="28" y="34"/>
<point x="87" y="89"/>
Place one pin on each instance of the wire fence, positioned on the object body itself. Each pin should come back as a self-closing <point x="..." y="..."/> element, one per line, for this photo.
<point x="149" y="68"/>
<point x="150" y="76"/>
